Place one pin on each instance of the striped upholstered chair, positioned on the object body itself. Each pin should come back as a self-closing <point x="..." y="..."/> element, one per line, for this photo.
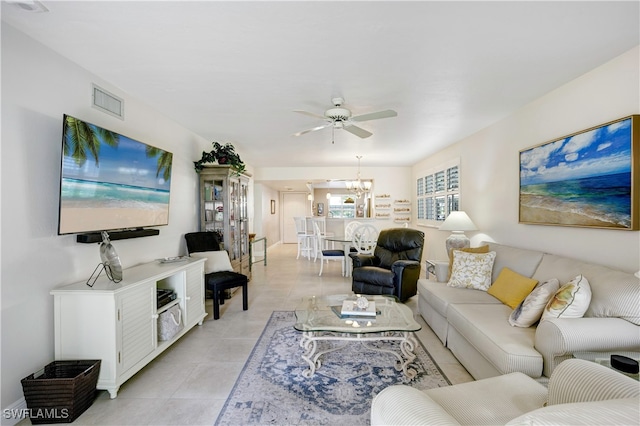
<point x="580" y="393"/>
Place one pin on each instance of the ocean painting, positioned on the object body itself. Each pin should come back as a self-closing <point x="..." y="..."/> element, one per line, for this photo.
<point x="585" y="179"/>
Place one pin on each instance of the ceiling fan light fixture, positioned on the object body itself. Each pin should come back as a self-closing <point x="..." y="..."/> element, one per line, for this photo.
<point x="338" y="114"/>
<point x="341" y="118"/>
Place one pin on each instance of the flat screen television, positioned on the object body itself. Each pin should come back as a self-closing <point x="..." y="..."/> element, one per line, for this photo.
<point x="109" y="181"/>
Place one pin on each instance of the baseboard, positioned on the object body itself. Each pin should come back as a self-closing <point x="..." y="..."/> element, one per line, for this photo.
<point x="14" y="413"/>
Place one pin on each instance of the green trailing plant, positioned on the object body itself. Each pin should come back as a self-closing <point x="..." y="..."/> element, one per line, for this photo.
<point x="222" y="154"/>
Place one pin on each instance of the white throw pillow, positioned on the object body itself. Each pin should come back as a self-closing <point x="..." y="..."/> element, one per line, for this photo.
<point x="530" y="310"/>
<point x="471" y="270"/>
<point x="216" y="261"/>
<point x="570" y="301"/>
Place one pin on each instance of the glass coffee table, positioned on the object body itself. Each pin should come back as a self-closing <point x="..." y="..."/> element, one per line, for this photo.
<point x="318" y="318"/>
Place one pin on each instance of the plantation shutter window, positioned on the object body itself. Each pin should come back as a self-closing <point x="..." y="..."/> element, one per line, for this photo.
<point x="438" y="193"/>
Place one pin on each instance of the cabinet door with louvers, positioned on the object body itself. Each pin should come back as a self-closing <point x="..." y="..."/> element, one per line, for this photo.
<point x="136" y="325"/>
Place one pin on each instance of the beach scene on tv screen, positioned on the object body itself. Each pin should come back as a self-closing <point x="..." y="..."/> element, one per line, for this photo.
<point x="110" y="181"/>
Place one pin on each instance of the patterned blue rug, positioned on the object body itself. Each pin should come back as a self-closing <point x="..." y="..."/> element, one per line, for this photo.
<point x="271" y="388"/>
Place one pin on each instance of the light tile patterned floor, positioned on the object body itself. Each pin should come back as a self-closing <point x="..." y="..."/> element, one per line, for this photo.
<point x="189" y="383"/>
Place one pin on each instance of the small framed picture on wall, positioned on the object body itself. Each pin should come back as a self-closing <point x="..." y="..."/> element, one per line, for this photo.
<point x="273" y="206"/>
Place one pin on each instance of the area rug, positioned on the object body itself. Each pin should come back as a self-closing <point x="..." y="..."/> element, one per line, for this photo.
<point x="271" y="388"/>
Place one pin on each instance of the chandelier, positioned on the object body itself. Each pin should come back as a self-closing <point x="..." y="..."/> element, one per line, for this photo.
<point x="358" y="187"/>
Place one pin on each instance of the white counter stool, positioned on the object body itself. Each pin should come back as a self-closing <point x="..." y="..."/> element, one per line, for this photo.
<point x="305" y="237"/>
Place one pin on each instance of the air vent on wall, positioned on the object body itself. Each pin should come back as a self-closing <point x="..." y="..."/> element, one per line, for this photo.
<point x="107" y="102"/>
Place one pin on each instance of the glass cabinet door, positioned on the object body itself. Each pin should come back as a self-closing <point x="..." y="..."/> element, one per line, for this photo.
<point x="244" y="219"/>
<point x="234" y="244"/>
<point x="214" y="206"/>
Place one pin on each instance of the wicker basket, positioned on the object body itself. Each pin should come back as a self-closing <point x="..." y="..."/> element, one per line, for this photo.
<point x="62" y="391"/>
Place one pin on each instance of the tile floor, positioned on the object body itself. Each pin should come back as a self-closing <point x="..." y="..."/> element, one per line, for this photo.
<point x="189" y="383"/>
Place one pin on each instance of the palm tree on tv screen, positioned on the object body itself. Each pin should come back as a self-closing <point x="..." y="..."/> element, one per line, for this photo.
<point x="83" y="139"/>
<point x="164" y="161"/>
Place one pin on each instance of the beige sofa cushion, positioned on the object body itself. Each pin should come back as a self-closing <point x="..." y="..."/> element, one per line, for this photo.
<point x="440" y="296"/>
<point x="522" y="261"/>
<point x="486" y="328"/>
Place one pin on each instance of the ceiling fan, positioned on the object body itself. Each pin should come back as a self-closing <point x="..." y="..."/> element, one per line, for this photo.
<point x="340" y="118"/>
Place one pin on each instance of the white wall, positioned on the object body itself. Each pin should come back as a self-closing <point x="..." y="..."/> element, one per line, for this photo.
<point x="38" y="87"/>
<point x="490" y="166"/>
<point x="266" y="224"/>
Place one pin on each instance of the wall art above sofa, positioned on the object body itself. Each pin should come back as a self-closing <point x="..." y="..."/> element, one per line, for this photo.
<point x="586" y="179"/>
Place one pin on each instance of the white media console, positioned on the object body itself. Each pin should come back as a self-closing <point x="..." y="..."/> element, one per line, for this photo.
<point x="117" y="322"/>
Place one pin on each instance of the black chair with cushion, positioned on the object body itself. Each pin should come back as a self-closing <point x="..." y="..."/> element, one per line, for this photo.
<point x="394" y="266"/>
<point x="219" y="275"/>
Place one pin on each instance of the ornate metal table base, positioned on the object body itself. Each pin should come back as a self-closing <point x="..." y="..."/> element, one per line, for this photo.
<point x="309" y="343"/>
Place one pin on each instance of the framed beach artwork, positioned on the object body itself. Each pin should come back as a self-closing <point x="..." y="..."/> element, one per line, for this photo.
<point x="586" y="179"/>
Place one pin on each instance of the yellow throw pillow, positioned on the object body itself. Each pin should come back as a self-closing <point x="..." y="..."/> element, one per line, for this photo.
<point x="481" y="249"/>
<point x="511" y="288"/>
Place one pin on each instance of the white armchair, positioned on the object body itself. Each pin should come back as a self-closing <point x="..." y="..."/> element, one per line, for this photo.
<point x="580" y="393"/>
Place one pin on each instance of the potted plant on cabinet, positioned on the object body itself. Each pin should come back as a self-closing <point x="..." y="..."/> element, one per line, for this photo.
<point x="222" y="154"/>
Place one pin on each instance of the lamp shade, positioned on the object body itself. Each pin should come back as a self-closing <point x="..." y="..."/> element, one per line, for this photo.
<point x="458" y="221"/>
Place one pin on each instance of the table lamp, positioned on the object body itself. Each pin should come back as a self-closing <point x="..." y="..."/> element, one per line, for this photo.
<point x="457" y="222"/>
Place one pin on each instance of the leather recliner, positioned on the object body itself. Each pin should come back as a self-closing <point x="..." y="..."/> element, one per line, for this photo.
<point x="394" y="266"/>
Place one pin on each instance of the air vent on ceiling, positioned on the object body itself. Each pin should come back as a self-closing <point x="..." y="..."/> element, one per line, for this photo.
<point x="107" y="102"/>
<point x="29" y="5"/>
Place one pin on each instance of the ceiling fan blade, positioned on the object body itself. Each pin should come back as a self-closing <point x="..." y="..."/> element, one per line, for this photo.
<point x="311" y="114"/>
<point x="375" y="115"/>
<point x="358" y="131"/>
<point x="312" y="130"/>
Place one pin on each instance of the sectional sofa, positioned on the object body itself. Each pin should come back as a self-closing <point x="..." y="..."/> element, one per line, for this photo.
<point x="475" y="326"/>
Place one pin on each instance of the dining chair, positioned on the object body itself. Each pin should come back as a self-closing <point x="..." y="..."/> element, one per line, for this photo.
<point x="348" y="233"/>
<point x="322" y="224"/>
<point x="349" y="227"/>
<point x="304" y="237"/>
<point x="364" y="238"/>
<point x="326" y="254"/>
